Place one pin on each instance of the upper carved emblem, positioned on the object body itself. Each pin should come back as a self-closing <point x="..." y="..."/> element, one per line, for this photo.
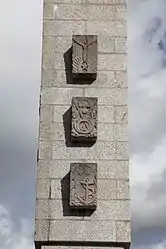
<point x="84" y="56"/>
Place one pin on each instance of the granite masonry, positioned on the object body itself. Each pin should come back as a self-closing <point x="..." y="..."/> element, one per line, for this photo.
<point x="57" y="225"/>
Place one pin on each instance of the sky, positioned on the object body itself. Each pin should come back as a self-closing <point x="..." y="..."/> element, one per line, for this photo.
<point x="20" y="62"/>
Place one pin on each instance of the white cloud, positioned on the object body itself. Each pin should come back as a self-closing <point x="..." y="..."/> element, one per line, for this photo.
<point x="12" y="235"/>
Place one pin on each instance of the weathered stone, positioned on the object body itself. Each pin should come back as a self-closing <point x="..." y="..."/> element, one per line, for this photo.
<point x="83" y="185"/>
<point x="67" y="230"/>
<point x="84" y="57"/>
<point x="84" y="119"/>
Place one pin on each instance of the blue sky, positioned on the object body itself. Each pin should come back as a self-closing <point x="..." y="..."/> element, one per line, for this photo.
<point x="20" y="36"/>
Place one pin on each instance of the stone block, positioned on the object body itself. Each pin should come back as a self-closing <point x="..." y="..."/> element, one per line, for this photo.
<point x="63" y="28"/>
<point x="122" y="169"/>
<point x="53" y="78"/>
<point x="113" y="169"/>
<point x="84" y="119"/>
<point x="111" y="210"/>
<point x="122" y="210"/>
<point x="49" y="11"/>
<point x="106" y="114"/>
<point x="52" y="169"/>
<point x="46" y="113"/>
<point x="56" y="189"/>
<point x="100" y="151"/>
<point x="55" y="132"/>
<point x="84" y="57"/>
<point x="44" y="130"/>
<point x="108" y="97"/>
<point x="121" y="114"/>
<point x="45" y="150"/>
<point x="59" y="111"/>
<point x="120" y="45"/>
<point x="99" y="247"/>
<point x="100" y="12"/>
<point x="112" y="61"/>
<point x="112" y="132"/>
<point x="105" y="79"/>
<point x="121" y="12"/>
<point x="121" y="132"/>
<point x="123" y="189"/>
<point x="70" y="12"/>
<point x="106" y="132"/>
<point x="59" y="96"/>
<point x="123" y="231"/>
<point x="121" y="150"/>
<point x="106" y="44"/>
<point x="103" y="231"/>
<point x="107" y="2"/>
<point x="43" y="188"/>
<point x="83" y="185"/>
<point x="106" y="189"/>
<point x="52" y="60"/>
<point x="109" y="28"/>
<point x="106" y="169"/>
<point x="56" y="44"/>
<point x="57" y="1"/>
<point x="106" y="150"/>
<point x="41" y="230"/>
<point x="121" y="78"/>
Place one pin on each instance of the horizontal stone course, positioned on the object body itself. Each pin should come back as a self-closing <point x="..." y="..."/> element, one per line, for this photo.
<point x="106" y="28"/>
<point x="107" y="2"/>
<point x="106" y="131"/>
<point x="100" y="151"/>
<point x="63" y="28"/>
<point x="106" y="114"/>
<point x="108" y="97"/>
<point x="106" y="210"/>
<point x="82" y="230"/>
<point x="59" y="168"/>
<point x="105" y="79"/>
<point x="60" y="96"/>
<point x="82" y="12"/>
<point x="108" y="189"/>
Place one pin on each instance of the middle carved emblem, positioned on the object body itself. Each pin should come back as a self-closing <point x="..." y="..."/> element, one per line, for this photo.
<point x="84" y="119"/>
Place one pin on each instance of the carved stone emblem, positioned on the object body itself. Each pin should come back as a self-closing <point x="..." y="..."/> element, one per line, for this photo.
<point x="84" y="57"/>
<point x="84" y="119"/>
<point x="83" y="185"/>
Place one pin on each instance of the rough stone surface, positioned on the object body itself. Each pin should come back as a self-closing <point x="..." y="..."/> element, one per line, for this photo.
<point x="82" y="231"/>
<point x="55" y="219"/>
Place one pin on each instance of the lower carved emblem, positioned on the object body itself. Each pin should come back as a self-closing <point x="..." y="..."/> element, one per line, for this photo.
<point x="83" y="185"/>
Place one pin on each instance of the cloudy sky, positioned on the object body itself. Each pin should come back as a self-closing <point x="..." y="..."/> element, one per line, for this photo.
<point x="20" y="50"/>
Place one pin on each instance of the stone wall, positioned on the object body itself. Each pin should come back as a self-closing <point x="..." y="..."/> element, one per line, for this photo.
<point x="110" y="222"/>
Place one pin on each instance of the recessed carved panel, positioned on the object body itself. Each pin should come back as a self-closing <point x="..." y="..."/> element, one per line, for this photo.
<point x="83" y="185"/>
<point x="84" y="119"/>
<point x="84" y="57"/>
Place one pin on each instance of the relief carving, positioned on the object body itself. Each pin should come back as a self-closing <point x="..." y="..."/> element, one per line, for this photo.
<point x="83" y="185"/>
<point x="84" y="57"/>
<point x="84" y="119"/>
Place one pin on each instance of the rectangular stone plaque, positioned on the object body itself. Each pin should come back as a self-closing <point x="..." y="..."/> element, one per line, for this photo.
<point x="83" y="185"/>
<point x="84" y="119"/>
<point x="84" y="57"/>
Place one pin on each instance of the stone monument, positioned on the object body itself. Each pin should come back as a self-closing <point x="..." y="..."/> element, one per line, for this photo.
<point x="82" y="197"/>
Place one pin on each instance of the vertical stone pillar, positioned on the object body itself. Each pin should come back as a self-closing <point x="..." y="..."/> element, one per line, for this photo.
<point x="57" y="226"/>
